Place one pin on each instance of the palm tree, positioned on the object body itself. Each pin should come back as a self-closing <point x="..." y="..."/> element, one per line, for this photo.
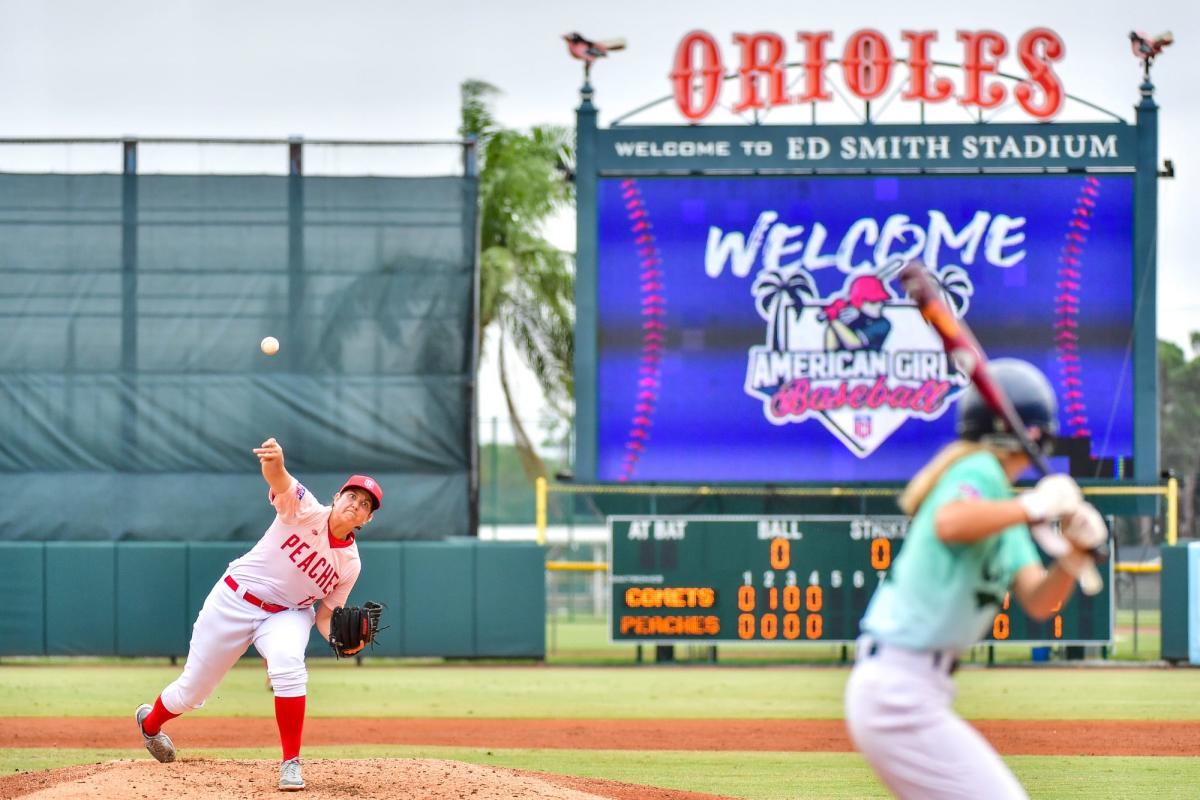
<point x="526" y="285"/>
<point x="774" y="293"/>
<point x="956" y="288"/>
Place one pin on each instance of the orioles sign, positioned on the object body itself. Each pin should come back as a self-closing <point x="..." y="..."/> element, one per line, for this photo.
<point x="869" y="64"/>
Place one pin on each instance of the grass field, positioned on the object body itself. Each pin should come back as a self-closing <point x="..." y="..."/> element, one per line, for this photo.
<point x="109" y="688"/>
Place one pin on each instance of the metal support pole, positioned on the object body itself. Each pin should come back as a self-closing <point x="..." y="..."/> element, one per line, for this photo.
<point x="129" y="302"/>
<point x="295" y="347"/>
<point x="471" y="217"/>
<point x="1145" y="342"/>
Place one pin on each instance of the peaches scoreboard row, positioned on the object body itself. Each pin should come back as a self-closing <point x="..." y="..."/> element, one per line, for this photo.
<point x="785" y="579"/>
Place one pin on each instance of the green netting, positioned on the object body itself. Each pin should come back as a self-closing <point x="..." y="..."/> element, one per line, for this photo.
<point x="132" y="388"/>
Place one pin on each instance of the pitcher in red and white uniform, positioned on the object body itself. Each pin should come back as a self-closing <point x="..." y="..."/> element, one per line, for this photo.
<point x="302" y="568"/>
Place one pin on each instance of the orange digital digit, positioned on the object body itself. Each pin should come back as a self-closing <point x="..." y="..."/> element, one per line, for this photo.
<point x="1058" y="626"/>
<point x="791" y="598"/>
<point x="770" y="626"/>
<point x="791" y="626"/>
<point x="1000" y="627"/>
<point x="812" y="598"/>
<point x="781" y="553"/>
<point x="881" y="553"/>
<point x="773" y="598"/>
<point x="813" y="626"/>
<point x="746" y="598"/>
<point x="745" y="626"/>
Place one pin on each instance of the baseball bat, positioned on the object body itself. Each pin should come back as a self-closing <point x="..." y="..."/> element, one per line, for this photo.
<point x="968" y="356"/>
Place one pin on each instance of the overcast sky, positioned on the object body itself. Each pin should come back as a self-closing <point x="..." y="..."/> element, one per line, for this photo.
<point x="376" y="69"/>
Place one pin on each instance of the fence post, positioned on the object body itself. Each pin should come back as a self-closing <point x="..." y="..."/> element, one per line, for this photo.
<point x="540" y="508"/>
<point x="1172" y="509"/>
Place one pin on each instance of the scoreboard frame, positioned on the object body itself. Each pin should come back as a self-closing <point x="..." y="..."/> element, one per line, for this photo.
<point x="691" y="593"/>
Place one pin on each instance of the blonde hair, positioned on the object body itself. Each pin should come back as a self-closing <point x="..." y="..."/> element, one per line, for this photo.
<point x="923" y="482"/>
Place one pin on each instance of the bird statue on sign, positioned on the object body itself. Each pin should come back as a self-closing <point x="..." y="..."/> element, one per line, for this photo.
<point x="1147" y="49"/>
<point x="588" y="50"/>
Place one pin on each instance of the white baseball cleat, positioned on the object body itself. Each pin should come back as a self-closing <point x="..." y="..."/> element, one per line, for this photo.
<point x="159" y="745"/>
<point x="290" y="779"/>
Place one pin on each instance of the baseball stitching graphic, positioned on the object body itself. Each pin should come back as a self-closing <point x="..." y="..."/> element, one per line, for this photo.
<point x="1066" y="309"/>
<point x="653" y="303"/>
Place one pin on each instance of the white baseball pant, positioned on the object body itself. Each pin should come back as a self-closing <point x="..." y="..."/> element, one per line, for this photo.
<point x="899" y="710"/>
<point x="226" y="626"/>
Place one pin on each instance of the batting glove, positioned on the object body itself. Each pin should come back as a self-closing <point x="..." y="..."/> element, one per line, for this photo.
<point x="1055" y="496"/>
<point x="1085" y="528"/>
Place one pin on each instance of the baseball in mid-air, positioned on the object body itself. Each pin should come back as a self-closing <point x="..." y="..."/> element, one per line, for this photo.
<point x="269" y="345"/>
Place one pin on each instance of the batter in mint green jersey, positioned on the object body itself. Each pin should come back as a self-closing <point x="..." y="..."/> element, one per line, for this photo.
<point x="944" y="596"/>
<point x="968" y="544"/>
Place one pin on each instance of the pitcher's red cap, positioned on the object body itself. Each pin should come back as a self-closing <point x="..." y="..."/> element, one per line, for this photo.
<point x="368" y="485"/>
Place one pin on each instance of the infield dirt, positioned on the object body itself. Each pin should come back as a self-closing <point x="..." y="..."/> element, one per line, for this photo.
<point x="192" y="778"/>
<point x="1009" y="737"/>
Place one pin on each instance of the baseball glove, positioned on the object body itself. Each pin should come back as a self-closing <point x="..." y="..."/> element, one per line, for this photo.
<point x="351" y="628"/>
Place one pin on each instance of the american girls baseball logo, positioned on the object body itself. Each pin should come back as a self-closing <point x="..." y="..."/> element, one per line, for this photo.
<point x="859" y="358"/>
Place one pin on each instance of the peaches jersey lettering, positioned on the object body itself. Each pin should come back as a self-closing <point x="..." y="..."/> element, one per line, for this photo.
<point x="298" y="561"/>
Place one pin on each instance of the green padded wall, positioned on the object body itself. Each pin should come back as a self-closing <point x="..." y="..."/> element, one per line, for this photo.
<point x="151" y="598"/>
<point x="81" y="595"/>
<point x="439" y="599"/>
<point x="516" y="626"/>
<point x="459" y="598"/>
<point x="206" y="564"/>
<point x="1174" y="603"/>
<point x="23" y="625"/>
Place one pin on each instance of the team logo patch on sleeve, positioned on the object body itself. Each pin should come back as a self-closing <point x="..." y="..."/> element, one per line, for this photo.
<point x="300" y="490"/>
<point x="968" y="492"/>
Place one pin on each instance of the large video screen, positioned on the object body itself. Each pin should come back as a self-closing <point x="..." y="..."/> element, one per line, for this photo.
<point x="752" y="329"/>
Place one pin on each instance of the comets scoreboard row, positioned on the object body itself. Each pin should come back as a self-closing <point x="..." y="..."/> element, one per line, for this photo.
<point x="785" y="579"/>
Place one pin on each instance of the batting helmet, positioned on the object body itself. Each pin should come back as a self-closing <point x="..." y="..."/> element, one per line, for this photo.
<point x="867" y="289"/>
<point x="1031" y="395"/>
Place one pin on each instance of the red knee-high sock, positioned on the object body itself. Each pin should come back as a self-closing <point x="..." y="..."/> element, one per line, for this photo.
<point x="155" y="719"/>
<point x="289" y="715"/>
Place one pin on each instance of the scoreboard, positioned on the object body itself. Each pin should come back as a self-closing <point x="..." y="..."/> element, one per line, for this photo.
<point x="693" y="579"/>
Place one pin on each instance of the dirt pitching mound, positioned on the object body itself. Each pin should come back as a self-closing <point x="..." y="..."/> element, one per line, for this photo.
<point x="326" y="779"/>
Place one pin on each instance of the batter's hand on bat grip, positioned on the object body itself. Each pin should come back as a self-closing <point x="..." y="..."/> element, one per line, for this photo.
<point x="1055" y="496"/>
<point x="1085" y="529"/>
<point x="1088" y="535"/>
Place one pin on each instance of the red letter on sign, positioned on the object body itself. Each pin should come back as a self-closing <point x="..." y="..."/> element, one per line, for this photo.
<point x="976" y="67"/>
<point x="867" y="64"/>
<point x="919" y="63"/>
<point x="770" y="45"/>
<point x="1039" y="70"/>
<point x="684" y="75"/>
<point x="814" y="66"/>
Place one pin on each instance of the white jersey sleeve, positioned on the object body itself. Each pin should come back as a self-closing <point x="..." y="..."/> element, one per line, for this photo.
<point x="295" y="504"/>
